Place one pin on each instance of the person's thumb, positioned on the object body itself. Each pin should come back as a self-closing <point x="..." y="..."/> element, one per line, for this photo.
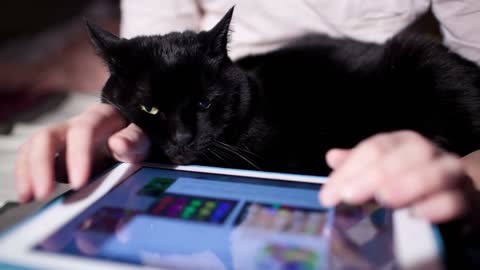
<point x="129" y="145"/>
<point x="336" y="157"/>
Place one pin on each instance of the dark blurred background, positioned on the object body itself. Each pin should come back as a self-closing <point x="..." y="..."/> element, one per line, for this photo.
<point x="22" y="18"/>
<point x="45" y="53"/>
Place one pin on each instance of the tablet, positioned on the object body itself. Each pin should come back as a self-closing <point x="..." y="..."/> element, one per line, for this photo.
<point x="190" y="217"/>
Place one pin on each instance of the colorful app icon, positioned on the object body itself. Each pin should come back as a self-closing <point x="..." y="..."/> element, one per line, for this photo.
<point x="282" y="218"/>
<point x="156" y="186"/>
<point x="194" y="208"/>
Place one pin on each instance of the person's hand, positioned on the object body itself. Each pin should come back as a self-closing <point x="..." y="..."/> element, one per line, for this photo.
<point x="399" y="169"/>
<point x="91" y="137"/>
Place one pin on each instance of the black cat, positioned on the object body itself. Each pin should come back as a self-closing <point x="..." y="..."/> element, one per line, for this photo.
<point x="281" y="111"/>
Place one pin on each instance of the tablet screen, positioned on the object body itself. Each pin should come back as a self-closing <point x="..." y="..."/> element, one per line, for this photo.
<point x="189" y="220"/>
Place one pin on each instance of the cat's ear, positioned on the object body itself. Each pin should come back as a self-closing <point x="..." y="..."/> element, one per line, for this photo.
<point x="106" y="43"/>
<point x="220" y="35"/>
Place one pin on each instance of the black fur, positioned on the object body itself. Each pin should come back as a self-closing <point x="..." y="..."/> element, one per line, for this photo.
<point x="283" y="110"/>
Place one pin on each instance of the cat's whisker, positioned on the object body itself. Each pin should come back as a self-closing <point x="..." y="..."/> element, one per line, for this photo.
<point x="225" y="153"/>
<point x="221" y="146"/>
<point x="235" y="149"/>
<point x="112" y="103"/>
<point x="205" y="159"/>
<point x="120" y="108"/>
<point x="240" y="149"/>
<point x="245" y="148"/>
<point x="210" y="159"/>
<point x="217" y="155"/>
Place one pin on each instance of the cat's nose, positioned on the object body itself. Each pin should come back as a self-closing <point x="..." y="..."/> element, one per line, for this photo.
<point x="181" y="137"/>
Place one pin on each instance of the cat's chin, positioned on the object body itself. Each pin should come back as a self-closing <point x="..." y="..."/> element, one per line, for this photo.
<point x="182" y="159"/>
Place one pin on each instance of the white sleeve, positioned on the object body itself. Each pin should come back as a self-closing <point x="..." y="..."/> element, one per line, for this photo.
<point x="156" y="17"/>
<point x="460" y="25"/>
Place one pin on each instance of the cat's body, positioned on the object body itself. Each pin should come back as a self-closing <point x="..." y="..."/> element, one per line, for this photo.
<point x="283" y="110"/>
<point x="321" y="93"/>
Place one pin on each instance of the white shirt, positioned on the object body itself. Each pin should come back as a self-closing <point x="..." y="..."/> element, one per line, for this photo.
<point x="262" y="25"/>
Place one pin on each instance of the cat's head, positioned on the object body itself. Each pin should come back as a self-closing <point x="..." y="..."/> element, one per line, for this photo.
<point x="182" y="89"/>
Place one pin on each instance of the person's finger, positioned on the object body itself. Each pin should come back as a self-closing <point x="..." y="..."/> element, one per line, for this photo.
<point x="335" y="157"/>
<point x="23" y="181"/>
<point x="87" y="136"/>
<point x="79" y="154"/>
<point x="441" y="174"/>
<point x="442" y="206"/>
<point x="408" y="156"/>
<point x="361" y="156"/>
<point x="129" y="144"/>
<point x="43" y="147"/>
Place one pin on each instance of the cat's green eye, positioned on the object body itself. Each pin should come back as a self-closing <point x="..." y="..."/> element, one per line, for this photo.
<point x="149" y="110"/>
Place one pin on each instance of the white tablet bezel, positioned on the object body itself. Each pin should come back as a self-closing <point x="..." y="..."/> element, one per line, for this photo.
<point x="15" y="245"/>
